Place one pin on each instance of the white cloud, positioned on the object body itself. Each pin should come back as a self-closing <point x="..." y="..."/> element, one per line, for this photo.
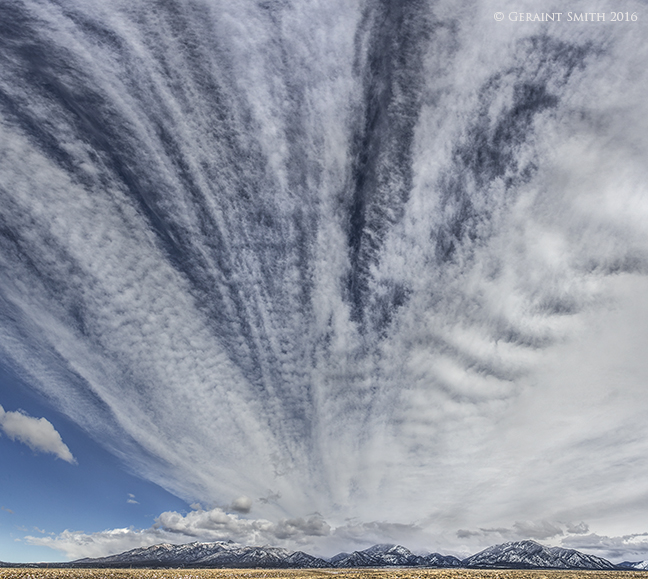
<point x="632" y="547"/>
<point x="78" y="545"/>
<point x="473" y="355"/>
<point x="37" y="433"/>
<point x="178" y="528"/>
<point x="241" y="505"/>
<point x="315" y="536"/>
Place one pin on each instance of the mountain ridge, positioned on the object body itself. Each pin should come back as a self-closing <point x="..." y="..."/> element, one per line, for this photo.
<point x="526" y="554"/>
<point x="531" y="555"/>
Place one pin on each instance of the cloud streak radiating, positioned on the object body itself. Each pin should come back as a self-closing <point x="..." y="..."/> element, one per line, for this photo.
<point x="373" y="260"/>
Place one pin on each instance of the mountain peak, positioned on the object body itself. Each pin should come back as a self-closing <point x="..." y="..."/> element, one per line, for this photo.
<point x="530" y="554"/>
<point x="527" y="554"/>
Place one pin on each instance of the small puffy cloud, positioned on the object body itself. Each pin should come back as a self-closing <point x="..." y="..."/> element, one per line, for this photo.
<point x="131" y="499"/>
<point x="242" y="505"/>
<point x="37" y="433"/>
<point x="7" y="510"/>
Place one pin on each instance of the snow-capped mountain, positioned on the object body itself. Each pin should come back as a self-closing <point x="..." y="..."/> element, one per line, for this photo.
<point x="392" y="556"/>
<point x="164" y="554"/>
<point x="262" y="557"/>
<point x="226" y="554"/>
<point x="437" y="560"/>
<point x="636" y="565"/>
<point x="216" y="554"/>
<point x="514" y="555"/>
<point x="529" y="554"/>
<point x="379" y="556"/>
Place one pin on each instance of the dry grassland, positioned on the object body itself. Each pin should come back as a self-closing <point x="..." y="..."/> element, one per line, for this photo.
<point x="311" y="574"/>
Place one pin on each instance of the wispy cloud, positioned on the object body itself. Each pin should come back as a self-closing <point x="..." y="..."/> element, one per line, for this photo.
<point x="378" y="264"/>
<point x="37" y="433"/>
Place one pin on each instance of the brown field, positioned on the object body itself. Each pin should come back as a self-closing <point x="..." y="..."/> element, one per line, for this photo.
<point x="311" y="574"/>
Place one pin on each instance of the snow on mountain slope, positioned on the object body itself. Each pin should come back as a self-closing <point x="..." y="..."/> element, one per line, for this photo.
<point x="529" y="554"/>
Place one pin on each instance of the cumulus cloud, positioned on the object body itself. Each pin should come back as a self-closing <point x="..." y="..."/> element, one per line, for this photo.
<point x="315" y="535"/>
<point x="178" y="528"/>
<point x="37" y="433"/>
<point x="241" y="505"/>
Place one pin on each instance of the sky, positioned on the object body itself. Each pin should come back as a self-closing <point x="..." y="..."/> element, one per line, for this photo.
<point x="323" y="274"/>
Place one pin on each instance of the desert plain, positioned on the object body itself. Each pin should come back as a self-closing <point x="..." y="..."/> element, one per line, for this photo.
<point x="402" y="573"/>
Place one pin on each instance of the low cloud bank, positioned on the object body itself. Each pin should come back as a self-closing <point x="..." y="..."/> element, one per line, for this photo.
<point x="178" y="528"/>
<point x="632" y="547"/>
<point x="316" y="536"/>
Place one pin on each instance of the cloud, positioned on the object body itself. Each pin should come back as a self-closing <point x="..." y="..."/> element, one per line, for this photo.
<point x="7" y="510"/>
<point x="520" y="530"/>
<point x="316" y="536"/>
<point x="78" y="545"/>
<point x="131" y="499"/>
<point x="579" y="529"/>
<point x="433" y="319"/>
<point x="313" y="526"/>
<point x="241" y="505"/>
<point x="178" y="528"/>
<point x="270" y="498"/>
<point x="37" y="433"/>
<point x="633" y="547"/>
<point x="537" y="530"/>
<point x="220" y="525"/>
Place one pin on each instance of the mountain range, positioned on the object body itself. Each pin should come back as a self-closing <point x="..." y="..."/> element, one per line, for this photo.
<point x="513" y="555"/>
<point x="636" y="565"/>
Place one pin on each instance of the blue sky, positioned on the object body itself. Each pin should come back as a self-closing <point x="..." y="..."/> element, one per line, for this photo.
<point x="322" y="274"/>
<point x="42" y="494"/>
